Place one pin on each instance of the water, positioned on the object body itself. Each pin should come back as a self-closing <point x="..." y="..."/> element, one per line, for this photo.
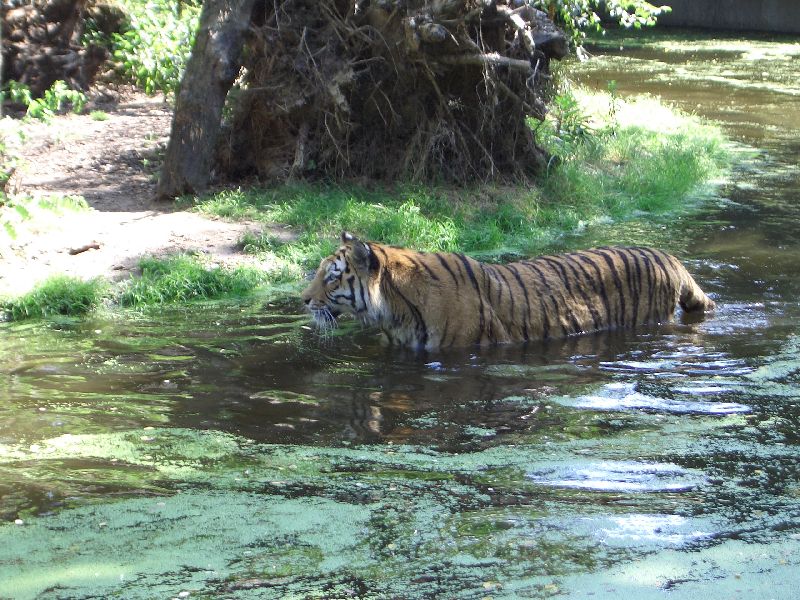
<point x="223" y="450"/>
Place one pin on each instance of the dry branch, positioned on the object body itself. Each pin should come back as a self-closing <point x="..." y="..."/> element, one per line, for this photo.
<point x="492" y="59"/>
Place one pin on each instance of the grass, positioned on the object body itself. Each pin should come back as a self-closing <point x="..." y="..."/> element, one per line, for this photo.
<point x="177" y="278"/>
<point x="59" y="295"/>
<point x="641" y="156"/>
<point x="184" y="277"/>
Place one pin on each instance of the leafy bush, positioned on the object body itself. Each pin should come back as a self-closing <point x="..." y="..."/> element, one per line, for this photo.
<point x="54" y="101"/>
<point x="152" y="53"/>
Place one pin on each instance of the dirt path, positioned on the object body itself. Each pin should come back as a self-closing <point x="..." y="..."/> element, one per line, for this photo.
<point x="112" y="163"/>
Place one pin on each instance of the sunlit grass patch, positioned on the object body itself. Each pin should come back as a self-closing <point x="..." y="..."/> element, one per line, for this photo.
<point x="481" y="221"/>
<point x="638" y="156"/>
<point x="59" y="295"/>
<point x="185" y="277"/>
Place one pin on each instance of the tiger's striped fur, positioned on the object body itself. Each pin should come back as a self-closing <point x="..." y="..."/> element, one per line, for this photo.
<point x="437" y="300"/>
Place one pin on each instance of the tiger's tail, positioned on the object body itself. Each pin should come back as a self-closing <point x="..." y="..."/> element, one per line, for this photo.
<point x="692" y="298"/>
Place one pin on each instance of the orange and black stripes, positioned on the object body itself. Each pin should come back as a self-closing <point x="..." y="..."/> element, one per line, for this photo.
<point x="437" y="300"/>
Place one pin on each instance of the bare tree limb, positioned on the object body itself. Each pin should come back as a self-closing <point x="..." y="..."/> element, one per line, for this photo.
<point x="492" y="59"/>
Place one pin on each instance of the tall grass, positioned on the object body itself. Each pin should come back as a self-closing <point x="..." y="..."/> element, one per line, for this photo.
<point x="639" y="156"/>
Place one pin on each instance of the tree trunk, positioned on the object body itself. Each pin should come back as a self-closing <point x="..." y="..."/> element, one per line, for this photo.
<point x="210" y="72"/>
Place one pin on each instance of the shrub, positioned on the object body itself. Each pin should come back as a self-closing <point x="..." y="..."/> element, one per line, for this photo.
<point x="152" y="53"/>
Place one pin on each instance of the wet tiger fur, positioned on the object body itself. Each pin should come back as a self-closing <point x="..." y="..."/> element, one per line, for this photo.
<point x="438" y="300"/>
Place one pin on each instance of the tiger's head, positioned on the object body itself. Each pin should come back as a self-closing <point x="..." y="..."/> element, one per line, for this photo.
<point x="342" y="284"/>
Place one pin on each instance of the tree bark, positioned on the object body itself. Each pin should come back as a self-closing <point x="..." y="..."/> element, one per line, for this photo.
<point x="210" y="73"/>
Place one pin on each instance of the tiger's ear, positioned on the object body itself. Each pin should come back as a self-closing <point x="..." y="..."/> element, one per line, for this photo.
<point x="359" y="252"/>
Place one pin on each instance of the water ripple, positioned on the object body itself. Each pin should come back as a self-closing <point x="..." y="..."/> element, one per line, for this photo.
<point x="625" y="396"/>
<point x="620" y="476"/>
<point x="646" y="529"/>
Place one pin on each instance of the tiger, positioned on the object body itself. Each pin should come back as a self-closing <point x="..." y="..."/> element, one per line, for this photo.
<point x="435" y="300"/>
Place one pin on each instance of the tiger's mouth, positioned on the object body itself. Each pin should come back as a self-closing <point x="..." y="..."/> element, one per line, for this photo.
<point x="325" y="317"/>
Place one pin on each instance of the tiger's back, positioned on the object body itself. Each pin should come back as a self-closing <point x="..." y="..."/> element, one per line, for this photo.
<point x="436" y="300"/>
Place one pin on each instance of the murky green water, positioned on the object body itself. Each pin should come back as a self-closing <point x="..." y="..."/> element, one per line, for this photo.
<point x="224" y="451"/>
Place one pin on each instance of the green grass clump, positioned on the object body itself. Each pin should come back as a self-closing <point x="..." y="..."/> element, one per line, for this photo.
<point x="184" y="277"/>
<point x="59" y="295"/>
<point x="426" y="219"/>
<point x="619" y="159"/>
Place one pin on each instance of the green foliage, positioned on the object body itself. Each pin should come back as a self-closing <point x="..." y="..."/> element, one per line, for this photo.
<point x="152" y="53"/>
<point x="18" y="92"/>
<point x="16" y="209"/>
<point x="642" y="156"/>
<point x="579" y="16"/>
<point x="98" y="115"/>
<point x="12" y="203"/>
<point x="184" y="277"/>
<point x="59" y="295"/>
<point x="568" y="117"/>
<point x="8" y="161"/>
<point x="53" y="102"/>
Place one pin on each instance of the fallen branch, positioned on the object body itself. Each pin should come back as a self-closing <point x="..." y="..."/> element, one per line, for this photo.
<point x="84" y="248"/>
<point x="491" y="59"/>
